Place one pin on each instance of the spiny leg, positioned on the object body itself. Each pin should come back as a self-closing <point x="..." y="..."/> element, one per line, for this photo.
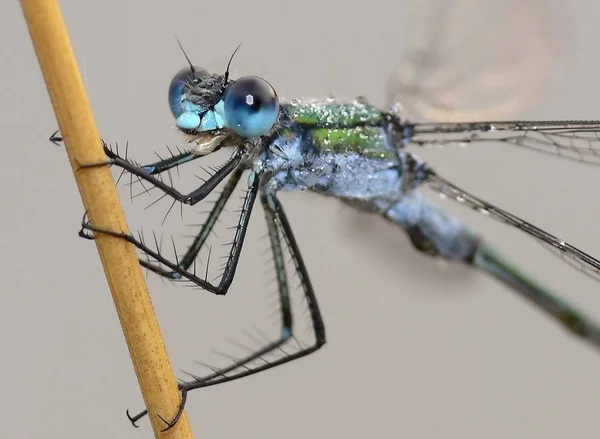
<point x="148" y="172"/>
<point x="177" y="270"/>
<point x="200" y="240"/>
<point x="276" y="213"/>
<point x="277" y="223"/>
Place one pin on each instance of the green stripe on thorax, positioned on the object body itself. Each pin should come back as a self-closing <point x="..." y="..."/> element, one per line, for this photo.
<point x="333" y="114"/>
<point x="366" y="141"/>
<point x="342" y="127"/>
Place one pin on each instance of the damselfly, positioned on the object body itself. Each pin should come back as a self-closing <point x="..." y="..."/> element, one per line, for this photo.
<point x="362" y="155"/>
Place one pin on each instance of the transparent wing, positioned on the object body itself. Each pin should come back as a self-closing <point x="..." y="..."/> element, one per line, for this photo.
<point x="574" y="140"/>
<point x="476" y="60"/>
<point x="571" y="254"/>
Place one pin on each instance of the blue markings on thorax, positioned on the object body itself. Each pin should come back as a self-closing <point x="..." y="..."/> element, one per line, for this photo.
<point x="371" y="183"/>
<point x="295" y="164"/>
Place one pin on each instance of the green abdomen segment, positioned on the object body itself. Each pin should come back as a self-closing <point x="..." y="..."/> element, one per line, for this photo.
<point x="576" y="322"/>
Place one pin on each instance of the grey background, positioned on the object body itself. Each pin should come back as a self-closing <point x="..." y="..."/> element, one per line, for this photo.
<point x="415" y="349"/>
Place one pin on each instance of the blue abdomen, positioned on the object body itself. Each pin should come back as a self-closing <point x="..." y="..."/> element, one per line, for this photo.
<point x="432" y="230"/>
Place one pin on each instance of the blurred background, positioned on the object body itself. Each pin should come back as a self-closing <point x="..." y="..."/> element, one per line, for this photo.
<point x="416" y="348"/>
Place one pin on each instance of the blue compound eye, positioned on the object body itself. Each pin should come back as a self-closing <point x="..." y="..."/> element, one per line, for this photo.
<point x="177" y="86"/>
<point x="250" y="106"/>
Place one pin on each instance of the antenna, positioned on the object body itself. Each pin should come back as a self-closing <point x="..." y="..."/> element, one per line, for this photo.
<point x="187" y="57"/>
<point x="229" y="65"/>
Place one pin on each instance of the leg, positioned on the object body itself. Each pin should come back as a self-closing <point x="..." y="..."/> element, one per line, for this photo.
<point x="179" y="269"/>
<point x="191" y="253"/>
<point x="147" y="172"/>
<point x="56" y="138"/>
<point x="278" y="226"/>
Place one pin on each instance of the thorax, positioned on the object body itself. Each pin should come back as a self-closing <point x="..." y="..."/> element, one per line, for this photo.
<point x="333" y="148"/>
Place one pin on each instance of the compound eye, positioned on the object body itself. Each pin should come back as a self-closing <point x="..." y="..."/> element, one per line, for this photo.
<point x="251" y="106"/>
<point x="178" y="83"/>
